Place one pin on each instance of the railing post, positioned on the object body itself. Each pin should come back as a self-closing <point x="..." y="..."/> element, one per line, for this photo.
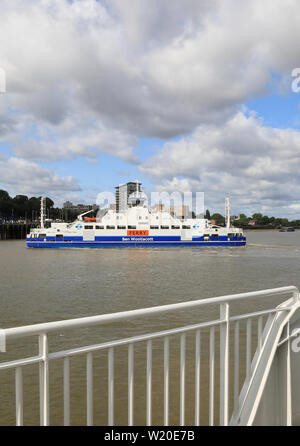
<point x="149" y="384"/>
<point x="182" y="378"/>
<point x="248" y="348"/>
<point x="66" y="391"/>
<point x="166" y="380"/>
<point x="111" y="387"/>
<point x="260" y="333"/>
<point x="236" y="386"/>
<point x="89" y="390"/>
<point x="130" y="384"/>
<point x="19" y="396"/>
<point x="224" y="363"/>
<point x="197" y="378"/>
<point x="288" y="380"/>
<point x="211" y="375"/>
<point x="44" y="380"/>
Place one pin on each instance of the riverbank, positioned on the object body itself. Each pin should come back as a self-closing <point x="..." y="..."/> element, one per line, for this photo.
<point x="15" y="231"/>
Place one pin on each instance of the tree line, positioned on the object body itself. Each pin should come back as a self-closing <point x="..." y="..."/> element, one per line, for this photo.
<point x="259" y="219"/>
<point x="23" y="208"/>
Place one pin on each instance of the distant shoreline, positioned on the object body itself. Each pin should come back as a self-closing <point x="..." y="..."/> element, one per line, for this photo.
<point x="264" y="228"/>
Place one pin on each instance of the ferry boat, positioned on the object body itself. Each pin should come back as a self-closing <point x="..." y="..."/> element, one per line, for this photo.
<point x="135" y="226"/>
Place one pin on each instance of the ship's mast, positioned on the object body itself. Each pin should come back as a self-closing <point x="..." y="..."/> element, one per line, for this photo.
<point x="42" y="211"/>
<point x="227" y="212"/>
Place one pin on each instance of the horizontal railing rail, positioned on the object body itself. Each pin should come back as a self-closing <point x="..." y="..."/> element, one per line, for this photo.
<point x="226" y="340"/>
<point x="29" y="330"/>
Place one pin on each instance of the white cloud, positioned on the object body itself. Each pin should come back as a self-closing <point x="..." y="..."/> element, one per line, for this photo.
<point x="154" y="68"/>
<point x="18" y="174"/>
<point x="90" y="76"/>
<point x="252" y="163"/>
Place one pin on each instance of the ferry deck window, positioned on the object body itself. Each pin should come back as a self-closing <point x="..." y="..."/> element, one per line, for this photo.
<point x="121" y="227"/>
<point x="110" y="227"/>
<point x="186" y="227"/>
<point x="164" y="227"/>
<point x="175" y="227"/>
<point x="131" y="227"/>
<point x="154" y="227"/>
<point x="88" y="227"/>
<point x="99" y="227"/>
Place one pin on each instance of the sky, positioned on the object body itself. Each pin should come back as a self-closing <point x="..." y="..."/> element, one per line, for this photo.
<point x="184" y="95"/>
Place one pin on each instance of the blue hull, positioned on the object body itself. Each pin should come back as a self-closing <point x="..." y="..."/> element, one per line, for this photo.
<point x="118" y="244"/>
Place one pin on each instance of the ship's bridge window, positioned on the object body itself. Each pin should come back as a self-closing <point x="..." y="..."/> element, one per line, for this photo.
<point x="110" y="227"/>
<point x="99" y="227"/>
<point x="154" y="227"/>
<point x="121" y="227"/>
<point x="89" y="227"/>
<point x="164" y="227"/>
<point x="131" y="227"/>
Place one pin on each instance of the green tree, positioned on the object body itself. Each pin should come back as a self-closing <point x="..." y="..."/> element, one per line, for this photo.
<point x="207" y="214"/>
<point x="219" y="219"/>
<point x="257" y="218"/>
<point x="4" y="196"/>
<point x="242" y="221"/>
<point x="265" y="220"/>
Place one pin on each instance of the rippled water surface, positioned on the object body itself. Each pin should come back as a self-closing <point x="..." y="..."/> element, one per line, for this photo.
<point x="41" y="285"/>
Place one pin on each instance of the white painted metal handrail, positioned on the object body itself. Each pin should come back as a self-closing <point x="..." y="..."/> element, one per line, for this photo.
<point x="223" y="323"/>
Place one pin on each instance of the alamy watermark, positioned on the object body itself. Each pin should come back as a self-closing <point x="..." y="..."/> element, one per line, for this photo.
<point x="296" y="342"/>
<point x="296" y="81"/>
<point x="2" y="81"/>
<point x="189" y="201"/>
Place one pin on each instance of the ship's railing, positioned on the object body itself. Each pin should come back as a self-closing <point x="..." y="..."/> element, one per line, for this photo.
<point x="226" y="355"/>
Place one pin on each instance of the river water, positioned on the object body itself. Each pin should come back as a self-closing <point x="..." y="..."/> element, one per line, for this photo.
<point x="41" y="285"/>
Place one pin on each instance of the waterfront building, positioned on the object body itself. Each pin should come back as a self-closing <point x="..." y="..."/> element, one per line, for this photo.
<point x="122" y="193"/>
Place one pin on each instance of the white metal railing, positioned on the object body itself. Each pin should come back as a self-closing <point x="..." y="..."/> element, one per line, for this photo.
<point x="229" y="328"/>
